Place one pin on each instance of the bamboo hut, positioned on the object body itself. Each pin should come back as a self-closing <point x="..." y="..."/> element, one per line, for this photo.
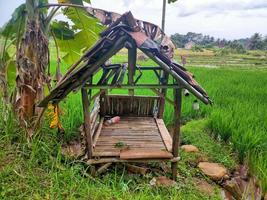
<point x="141" y="135"/>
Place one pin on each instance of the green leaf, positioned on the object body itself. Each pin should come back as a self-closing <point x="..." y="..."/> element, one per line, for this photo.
<point x="10" y="29"/>
<point x="77" y="2"/>
<point x="11" y="74"/>
<point x="62" y="30"/>
<point x="86" y="30"/>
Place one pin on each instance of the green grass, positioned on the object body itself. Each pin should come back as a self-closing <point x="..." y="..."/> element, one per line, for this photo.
<point x="37" y="170"/>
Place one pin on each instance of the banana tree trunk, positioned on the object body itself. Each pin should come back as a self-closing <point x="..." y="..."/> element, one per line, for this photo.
<point x="3" y="82"/>
<point x="32" y="60"/>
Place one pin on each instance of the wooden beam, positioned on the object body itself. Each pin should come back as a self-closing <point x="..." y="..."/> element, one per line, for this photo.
<point x="168" y="69"/>
<point x="139" y="86"/>
<point x="164" y="134"/>
<point x="132" y="52"/>
<point x="176" y="132"/>
<point x="117" y="160"/>
<point x="165" y="77"/>
<point x="87" y="123"/>
<point x="162" y="97"/>
<point x="144" y="154"/>
<point x="98" y="131"/>
<point x="150" y="68"/>
<point x="103" y="168"/>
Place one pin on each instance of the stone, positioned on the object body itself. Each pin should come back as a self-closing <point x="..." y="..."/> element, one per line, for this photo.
<point x="162" y="181"/>
<point x="189" y="148"/>
<point x="214" y="171"/>
<point x="136" y="169"/>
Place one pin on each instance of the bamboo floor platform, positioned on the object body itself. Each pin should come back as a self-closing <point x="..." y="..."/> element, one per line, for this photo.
<point x="134" y="138"/>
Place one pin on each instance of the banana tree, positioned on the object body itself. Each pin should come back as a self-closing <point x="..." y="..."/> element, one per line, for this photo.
<point x="9" y="36"/>
<point x="32" y="55"/>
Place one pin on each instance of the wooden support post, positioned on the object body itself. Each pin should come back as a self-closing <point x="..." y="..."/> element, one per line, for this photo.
<point x="176" y="132"/>
<point x="165" y="77"/>
<point x="87" y="123"/>
<point x="103" y="106"/>
<point x="132" y="52"/>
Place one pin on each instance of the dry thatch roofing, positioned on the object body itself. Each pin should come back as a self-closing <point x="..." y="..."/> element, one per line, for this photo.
<point x="123" y="32"/>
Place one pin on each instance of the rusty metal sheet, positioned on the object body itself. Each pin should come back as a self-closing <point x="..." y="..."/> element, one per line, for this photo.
<point x="152" y="31"/>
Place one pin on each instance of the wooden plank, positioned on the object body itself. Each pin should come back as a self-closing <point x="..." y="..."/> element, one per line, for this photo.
<point x="117" y="160"/>
<point x="137" y="86"/>
<point x="144" y="154"/>
<point x="164" y="134"/>
<point x="112" y="138"/>
<point x="96" y="135"/>
<point x="94" y="128"/>
<point x="130" y="146"/>
<point x="87" y="122"/>
<point x="103" y="168"/>
<point x="106" y="154"/>
<point x="131" y="142"/>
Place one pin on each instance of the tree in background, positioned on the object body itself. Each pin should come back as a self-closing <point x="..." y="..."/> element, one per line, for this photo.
<point x="256" y="42"/>
<point x="265" y="43"/>
<point x="179" y="40"/>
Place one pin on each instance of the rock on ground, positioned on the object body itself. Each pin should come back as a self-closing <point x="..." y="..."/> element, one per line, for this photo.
<point x="214" y="171"/>
<point x="162" y="181"/>
<point x="189" y="148"/>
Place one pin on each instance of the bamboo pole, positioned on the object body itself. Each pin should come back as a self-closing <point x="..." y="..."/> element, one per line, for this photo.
<point x="87" y="123"/>
<point x="165" y="77"/>
<point x="139" y="86"/>
<point x="177" y="77"/>
<point x="132" y="52"/>
<point x="176" y="132"/>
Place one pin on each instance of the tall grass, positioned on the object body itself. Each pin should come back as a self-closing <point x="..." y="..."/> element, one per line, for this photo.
<point x="239" y="113"/>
